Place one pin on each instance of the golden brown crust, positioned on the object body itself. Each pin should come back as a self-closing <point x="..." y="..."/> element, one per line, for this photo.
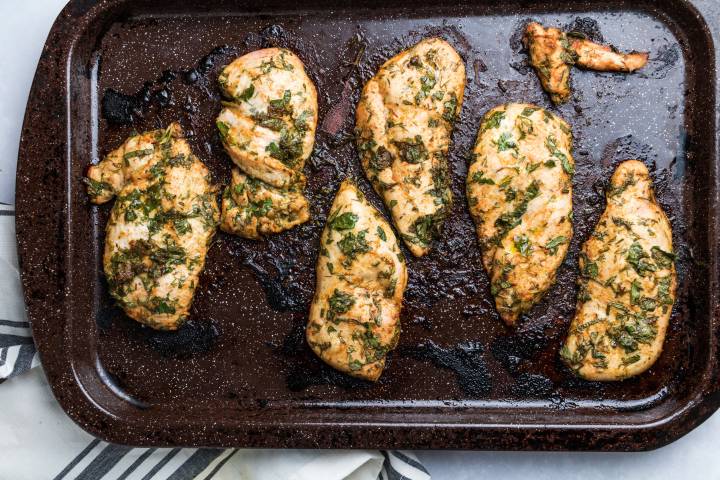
<point x="627" y="283"/>
<point x="160" y="226"/>
<point x="403" y="125"/>
<point x="354" y="318"/>
<point x="519" y="189"/>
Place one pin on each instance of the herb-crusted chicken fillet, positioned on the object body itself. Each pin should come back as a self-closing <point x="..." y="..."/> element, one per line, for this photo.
<point x="627" y="283"/>
<point x="160" y="226"/>
<point x="403" y="125"/>
<point x="268" y="129"/>
<point x="552" y="53"/>
<point x="519" y="190"/>
<point x="361" y="278"/>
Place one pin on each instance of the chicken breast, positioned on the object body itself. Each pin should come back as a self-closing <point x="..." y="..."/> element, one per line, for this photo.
<point x="627" y="283"/>
<point x="268" y="129"/>
<point x="519" y="190"/>
<point x="403" y="125"/>
<point x="160" y="226"/>
<point x="553" y="51"/>
<point x="361" y="278"/>
<point x="268" y="126"/>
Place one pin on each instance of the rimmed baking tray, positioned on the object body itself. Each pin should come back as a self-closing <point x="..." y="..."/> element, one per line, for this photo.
<point x="239" y="373"/>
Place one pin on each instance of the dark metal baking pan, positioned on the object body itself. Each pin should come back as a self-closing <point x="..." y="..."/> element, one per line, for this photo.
<point x="239" y="373"/>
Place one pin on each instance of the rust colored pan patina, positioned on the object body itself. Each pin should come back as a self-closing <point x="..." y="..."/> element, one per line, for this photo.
<point x="239" y="372"/>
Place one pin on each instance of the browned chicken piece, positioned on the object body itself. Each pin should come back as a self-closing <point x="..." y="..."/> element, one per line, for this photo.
<point x="253" y="209"/>
<point x="403" y="125"/>
<point x="603" y="58"/>
<point x="519" y="190"/>
<point x="552" y="53"/>
<point x="268" y="129"/>
<point x="354" y="318"/>
<point x="160" y="226"/>
<point x="627" y="283"/>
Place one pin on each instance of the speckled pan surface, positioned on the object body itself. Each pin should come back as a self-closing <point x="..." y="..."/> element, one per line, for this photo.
<point x="239" y="373"/>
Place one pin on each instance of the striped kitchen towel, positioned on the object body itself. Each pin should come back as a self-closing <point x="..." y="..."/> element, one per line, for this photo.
<point x="39" y="441"/>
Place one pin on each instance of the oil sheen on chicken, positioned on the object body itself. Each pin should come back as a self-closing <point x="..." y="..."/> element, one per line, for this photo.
<point x="160" y="226"/>
<point x="403" y="125"/>
<point x="519" y="190"/>
<point x="552" y="53"/>
<point x="361" y="278"/>
<point x="627" y="283"/>
<point x="268" y="129"/>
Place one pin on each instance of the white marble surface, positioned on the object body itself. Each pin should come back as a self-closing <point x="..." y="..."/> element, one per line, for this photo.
<point x="23" y="27"/>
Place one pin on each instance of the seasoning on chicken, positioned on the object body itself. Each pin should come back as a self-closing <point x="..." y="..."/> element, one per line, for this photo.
<point x="268" y="129"/>
<point x="403" y="125"/>
<point x="160" y="226"/>
<point x="519" y="189"/>
<point x="627" y="283"/>
<point x="552" y="53"/>
<point x="361" y="278"/>
<point x="252" y="209"/>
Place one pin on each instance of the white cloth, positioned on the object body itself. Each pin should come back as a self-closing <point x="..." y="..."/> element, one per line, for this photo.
<point x="29" y="415"/>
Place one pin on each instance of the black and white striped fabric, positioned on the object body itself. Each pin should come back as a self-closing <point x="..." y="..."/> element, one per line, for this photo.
<point x="32" y="425"/>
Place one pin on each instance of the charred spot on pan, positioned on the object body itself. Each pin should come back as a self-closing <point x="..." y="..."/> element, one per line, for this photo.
<point x="466" y="360"/>
<point x="193" y="337"/>
<point x="302" y="377"/>
<point x="274" y="36"/>
<point x="532" y="385"/>
<point x="119" y="108"/>
<point x="279" y="296"/>
<point x="512" y="350"/>
<point x="586" y="27"/>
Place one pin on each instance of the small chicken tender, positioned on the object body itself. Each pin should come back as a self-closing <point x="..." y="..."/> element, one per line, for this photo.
<point x="519" y="189"/>
<point x="354" y="318"/>
<point x="627" y="283"/>
<point x="403" y="125"/>
<point x="253" y="209"/>
<point x="160" y="226"/>
<point x="552" y="52"/>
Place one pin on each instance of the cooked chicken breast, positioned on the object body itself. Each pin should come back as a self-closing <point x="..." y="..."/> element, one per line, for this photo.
<point x="403" y="125"/>
<point x="361" y="278"/>
<point x="268" y="129"/>
<point x="268" y="126"/>
<point x="553" y="51"/>
<point x="253" y="209"/>
<point x="627" y="283"/>
<point x="519" y="190"/>
<point x="160" y="226"/>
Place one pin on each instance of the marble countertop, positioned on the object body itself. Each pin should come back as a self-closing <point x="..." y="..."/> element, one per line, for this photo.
<point x="25" y="24"/>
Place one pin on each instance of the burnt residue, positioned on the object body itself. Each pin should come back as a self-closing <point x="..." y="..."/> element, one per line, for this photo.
<point x="193" y="337"/>
<point x="662" y="61"/>
<point x="587" y="27"/>
<point x="529" y="385"/>
<point x="280" y="293"/>
<point x="121" y="108"/>
<point x="303" y="370"/>
<point x="466" y="360"/>
<point x="518" y="349"/>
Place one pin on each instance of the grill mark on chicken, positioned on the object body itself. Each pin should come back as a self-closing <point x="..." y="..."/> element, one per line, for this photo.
<point x="404" y="121"/>
<point x="160" y="226"/>
<point x="552" y="52"/>
<point x="354" y="318"/>
<point x="519" y="189"/>
<point x="268" y="129"/>
<point x="627" y="283"/>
